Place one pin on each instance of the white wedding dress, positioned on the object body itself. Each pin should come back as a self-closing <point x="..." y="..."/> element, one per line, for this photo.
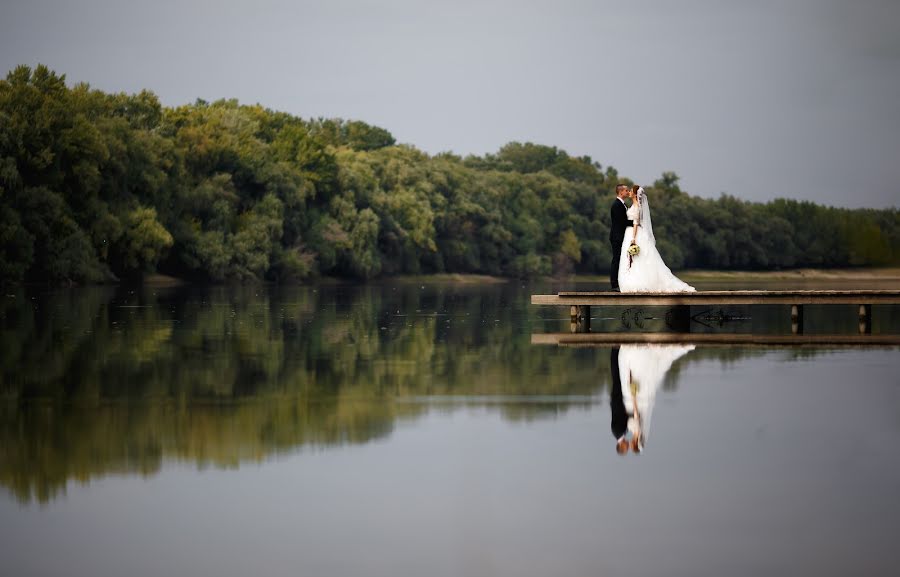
<point x="645" y="367"/>
<point x="646" y="272"/>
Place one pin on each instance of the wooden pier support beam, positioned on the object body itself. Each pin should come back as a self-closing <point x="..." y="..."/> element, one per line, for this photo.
<point x="580" y="317"/>
<point x="865" y="319"/>
<point x="797" y="319"/>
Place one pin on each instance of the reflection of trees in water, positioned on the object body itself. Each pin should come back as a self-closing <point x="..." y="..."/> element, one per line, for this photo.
<point x="45" y="445"/>
<point x="97" y="381"/>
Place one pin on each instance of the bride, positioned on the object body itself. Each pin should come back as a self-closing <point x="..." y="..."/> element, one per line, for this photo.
<point x="642" y="269"/>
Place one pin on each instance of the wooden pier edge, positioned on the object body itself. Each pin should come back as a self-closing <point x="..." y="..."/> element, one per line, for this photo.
<point x="742" y="297"/>
<point x="714" y="339"/>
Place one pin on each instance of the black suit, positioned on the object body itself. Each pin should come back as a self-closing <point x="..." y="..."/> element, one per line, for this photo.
<point x="619" y="222"/>
<point x="616" y="402"/>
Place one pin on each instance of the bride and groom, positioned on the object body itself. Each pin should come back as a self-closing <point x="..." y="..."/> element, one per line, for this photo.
<point x="636" y="264"/>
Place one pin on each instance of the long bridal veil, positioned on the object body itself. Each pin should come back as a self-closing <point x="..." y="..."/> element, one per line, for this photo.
<point x="645" y="222"/>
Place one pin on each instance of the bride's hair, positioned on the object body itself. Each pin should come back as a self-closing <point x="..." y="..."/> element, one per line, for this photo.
<point x="634" y="189"/>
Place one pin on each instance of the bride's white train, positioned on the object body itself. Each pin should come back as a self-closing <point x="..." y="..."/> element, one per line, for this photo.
<point x="646" y="271"/>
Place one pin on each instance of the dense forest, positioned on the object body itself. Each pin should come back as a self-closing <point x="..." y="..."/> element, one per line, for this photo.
<point x="97" y="187"/>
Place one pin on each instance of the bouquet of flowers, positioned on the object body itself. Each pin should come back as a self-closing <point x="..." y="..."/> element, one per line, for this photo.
<point x="633" y="251"/>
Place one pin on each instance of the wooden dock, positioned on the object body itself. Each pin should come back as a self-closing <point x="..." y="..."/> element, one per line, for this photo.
<point x="715" y="340"/>
<point x="580" y="303"/>
<point x="780" y="297"/>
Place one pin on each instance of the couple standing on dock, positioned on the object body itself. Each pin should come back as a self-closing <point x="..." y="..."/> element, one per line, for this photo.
<point x="636" y="264"/>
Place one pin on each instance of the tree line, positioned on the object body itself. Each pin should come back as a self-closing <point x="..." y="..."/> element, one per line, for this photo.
<point x="98" y="187"/>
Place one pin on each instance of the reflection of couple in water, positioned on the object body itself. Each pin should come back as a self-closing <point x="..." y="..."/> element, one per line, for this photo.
<point x="643" y="367"/>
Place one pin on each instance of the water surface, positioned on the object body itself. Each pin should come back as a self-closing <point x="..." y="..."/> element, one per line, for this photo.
<point x="413" y="429"/>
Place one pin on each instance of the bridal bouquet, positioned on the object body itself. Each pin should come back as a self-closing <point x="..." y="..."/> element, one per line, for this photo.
<point x="633" y="251"/>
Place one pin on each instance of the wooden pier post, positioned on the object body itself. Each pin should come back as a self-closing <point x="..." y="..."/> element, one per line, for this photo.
<point x="865" y="319"/>
<point x="797" y="319"/>
<point x="678" y="318"/>
<point x="580" y="317"/>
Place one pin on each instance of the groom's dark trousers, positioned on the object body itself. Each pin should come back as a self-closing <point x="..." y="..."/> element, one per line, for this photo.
<point x="618" y="223"/>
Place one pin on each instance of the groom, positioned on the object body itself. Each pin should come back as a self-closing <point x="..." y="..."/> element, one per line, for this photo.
<point x="617" y="232"/>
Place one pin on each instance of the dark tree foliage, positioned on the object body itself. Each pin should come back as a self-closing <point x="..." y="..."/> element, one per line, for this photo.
<point x="97" y="187"/>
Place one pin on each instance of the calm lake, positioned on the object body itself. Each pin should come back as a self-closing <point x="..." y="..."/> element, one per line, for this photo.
<point x="412" y="429"/>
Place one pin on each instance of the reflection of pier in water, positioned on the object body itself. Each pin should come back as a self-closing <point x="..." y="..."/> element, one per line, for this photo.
<point x="679" y="317"/>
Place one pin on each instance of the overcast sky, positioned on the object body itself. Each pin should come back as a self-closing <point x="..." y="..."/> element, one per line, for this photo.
<point x="757" y="99"/>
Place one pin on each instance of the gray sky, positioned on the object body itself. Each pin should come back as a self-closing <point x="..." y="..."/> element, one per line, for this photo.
<point x="758" y="99"/>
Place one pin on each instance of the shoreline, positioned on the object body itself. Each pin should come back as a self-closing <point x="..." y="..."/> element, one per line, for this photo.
<point x="812" y="274"/>
<point x="885" y="274"/>
<point x="804" y="275"/>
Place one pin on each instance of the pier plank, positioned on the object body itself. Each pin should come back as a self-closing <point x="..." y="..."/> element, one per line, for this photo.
<point x="738" y="297"/>
<point x="714" y="339"/>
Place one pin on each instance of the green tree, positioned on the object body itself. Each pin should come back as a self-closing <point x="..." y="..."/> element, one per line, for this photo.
<point x="145" y="239"/>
